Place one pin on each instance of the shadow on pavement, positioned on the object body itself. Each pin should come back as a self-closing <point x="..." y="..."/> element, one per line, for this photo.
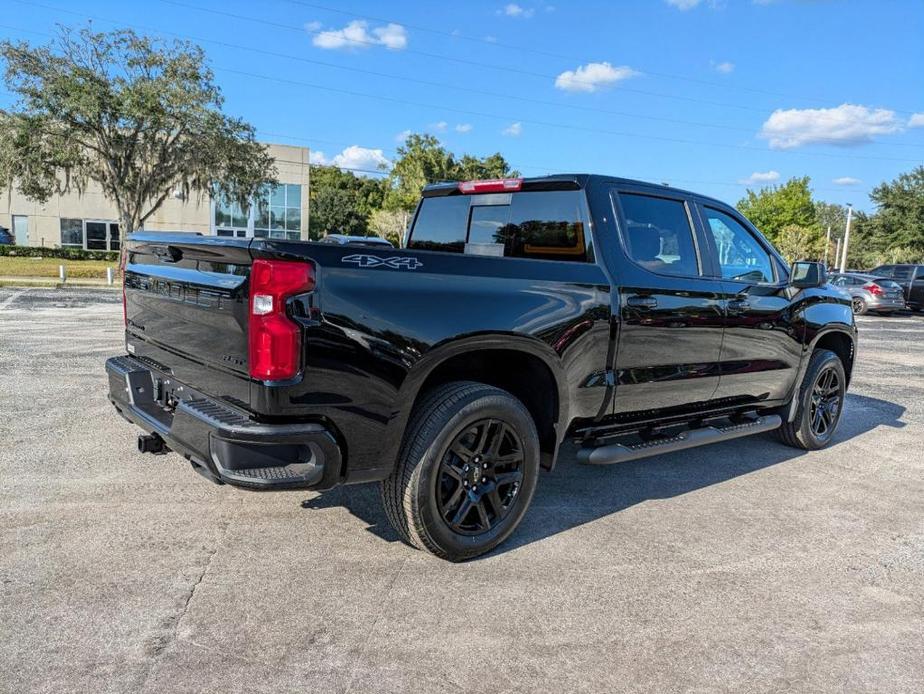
<point x="575" y="494"/>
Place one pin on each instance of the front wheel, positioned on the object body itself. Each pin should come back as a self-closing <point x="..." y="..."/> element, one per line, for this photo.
<point x="466" y="472"/>
<point x="821" y="401"/>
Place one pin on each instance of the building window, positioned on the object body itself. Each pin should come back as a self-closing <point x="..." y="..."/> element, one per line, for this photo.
<point x="92" y="235"/>
<point x="230" y="218"/>
<point x="277" y="214"/>
<point x="71" y="233"/>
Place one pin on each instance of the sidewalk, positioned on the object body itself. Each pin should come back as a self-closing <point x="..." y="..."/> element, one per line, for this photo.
<point x="14" y="281"/>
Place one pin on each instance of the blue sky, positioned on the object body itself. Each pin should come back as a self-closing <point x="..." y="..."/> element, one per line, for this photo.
<point x="708" y="95"/>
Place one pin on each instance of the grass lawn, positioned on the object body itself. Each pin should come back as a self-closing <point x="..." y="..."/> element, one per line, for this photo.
<point x="48" y="267"/>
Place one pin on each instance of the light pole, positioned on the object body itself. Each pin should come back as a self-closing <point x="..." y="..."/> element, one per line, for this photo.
<point x="846" y="238"/>
<point x="827" y="245"/>
<point x="837" y="252"/>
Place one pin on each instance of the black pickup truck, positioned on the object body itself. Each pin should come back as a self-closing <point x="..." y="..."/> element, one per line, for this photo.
<point x="634" y="319"/>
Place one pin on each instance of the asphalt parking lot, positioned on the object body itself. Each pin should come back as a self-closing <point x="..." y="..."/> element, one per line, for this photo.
<point x="743" y="566"/>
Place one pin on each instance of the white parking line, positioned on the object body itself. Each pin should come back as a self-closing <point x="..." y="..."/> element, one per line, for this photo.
<point x="12" y="297"/>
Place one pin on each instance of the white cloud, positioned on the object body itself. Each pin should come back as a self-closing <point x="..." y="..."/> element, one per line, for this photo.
<point x="761" y="177"/>
<point x="847" y="124"/>
<point x="357" y="34"/>
<point x="846" y="181"/>
<point x="513" y="130"/>
<point x="725" y="68"/>
<point x="463" y="128"/>
<point x="514" y="10"/>
<point x="403" y="135"/>
<point x="354" y="157"/>
<point x="916" y="120"/>
<point x="312" y="27"/>
<point x="439" y="127"/>
<point x="684" y="5"/>
<point x="593" y="76"/>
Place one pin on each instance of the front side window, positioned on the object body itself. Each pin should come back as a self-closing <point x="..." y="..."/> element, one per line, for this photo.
<point x="902" y="273"/>
<point x="658" y="235"/>
<point x="741" y="257"/>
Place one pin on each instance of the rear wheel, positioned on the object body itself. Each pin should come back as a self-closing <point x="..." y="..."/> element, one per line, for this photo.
<point x="821" y="400"/>
<point x="858" y="305"/>
<point x="466" y="472"/>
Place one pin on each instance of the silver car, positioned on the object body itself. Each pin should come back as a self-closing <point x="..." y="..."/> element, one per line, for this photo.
<point x="869" y="292"/>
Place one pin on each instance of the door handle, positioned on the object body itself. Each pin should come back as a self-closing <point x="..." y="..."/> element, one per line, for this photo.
<point x="642" y="302"/>
<point x="738" y="305"/>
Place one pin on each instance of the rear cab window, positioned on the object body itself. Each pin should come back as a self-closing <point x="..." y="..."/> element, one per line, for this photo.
<point x="544" y="225"/>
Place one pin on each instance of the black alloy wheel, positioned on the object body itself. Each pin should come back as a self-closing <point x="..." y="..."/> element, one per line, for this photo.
<point x="825" y="405"/>
<point x="480" y="475"/>
<point x="819" y="405"/>
<point x="466" y="472"/>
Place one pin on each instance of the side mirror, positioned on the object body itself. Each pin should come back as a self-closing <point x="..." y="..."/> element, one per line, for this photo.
<point x="806" y="274"/>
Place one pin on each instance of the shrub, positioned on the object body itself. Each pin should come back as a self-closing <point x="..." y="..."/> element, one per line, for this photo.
<point x="65" y="253"/>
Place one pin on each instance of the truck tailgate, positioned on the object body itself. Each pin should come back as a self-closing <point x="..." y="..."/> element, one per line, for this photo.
<point x="186" y="309"/>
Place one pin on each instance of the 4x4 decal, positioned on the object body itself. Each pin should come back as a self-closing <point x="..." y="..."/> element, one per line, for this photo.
<point x="395" y="262"/>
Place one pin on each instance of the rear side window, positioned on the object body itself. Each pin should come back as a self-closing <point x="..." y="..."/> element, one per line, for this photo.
<point x="902" y="273"/>
<point x="658" y="235"/>
<point x="546" y="225"/>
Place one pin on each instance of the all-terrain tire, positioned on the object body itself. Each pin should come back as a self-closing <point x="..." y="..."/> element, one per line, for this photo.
<point x="799" y="433"/>
<point x="411" y="494"/>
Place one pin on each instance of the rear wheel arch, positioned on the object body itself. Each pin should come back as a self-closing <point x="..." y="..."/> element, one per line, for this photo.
<point x="520" y="372"/>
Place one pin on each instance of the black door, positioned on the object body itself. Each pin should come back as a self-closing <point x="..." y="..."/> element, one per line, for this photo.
<point x="670" y="330"/>
<point x="761" y="350"/>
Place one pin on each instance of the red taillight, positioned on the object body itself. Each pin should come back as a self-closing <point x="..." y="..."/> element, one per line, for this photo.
<point x="874" y="289"/>
<point x="494" y="185"/>
<point x="275" y="339"/>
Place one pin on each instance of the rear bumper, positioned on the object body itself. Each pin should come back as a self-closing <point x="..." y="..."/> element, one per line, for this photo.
<point x="885" y="304"/>
<point x="224" y="442"/>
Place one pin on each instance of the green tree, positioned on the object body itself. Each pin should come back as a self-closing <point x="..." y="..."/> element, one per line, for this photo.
<point x="422" y="160"/>
<point x="341" y="202"/>
<point x="800" y="243"/>
<point x="137" y="116"/>
<point x="773" y="208"/>
<point x="899" y="218"/>
<point x="389" y="224"/>
<point x="334" y="211"/>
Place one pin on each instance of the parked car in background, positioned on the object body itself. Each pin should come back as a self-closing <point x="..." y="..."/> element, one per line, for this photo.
<point x="6" y="238"/>
<point x="869" y="292"/>
<point x="347" y="240"/>
<point x="910" y="278"/>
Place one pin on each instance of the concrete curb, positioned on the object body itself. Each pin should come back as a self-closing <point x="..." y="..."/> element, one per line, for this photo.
<point x="52" y="282"/>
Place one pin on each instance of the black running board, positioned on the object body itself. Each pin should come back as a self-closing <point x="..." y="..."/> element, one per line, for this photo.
<point x="620" y="453"/>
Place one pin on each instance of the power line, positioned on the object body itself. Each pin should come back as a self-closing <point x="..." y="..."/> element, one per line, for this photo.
<point x="509" y="118"/>
<point x="527" y="49"/>
<point x="379" y="172"/>
<point x="566" y="126"/>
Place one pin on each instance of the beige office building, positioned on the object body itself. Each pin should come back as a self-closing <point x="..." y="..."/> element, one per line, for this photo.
<point x="90" y="221"/>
